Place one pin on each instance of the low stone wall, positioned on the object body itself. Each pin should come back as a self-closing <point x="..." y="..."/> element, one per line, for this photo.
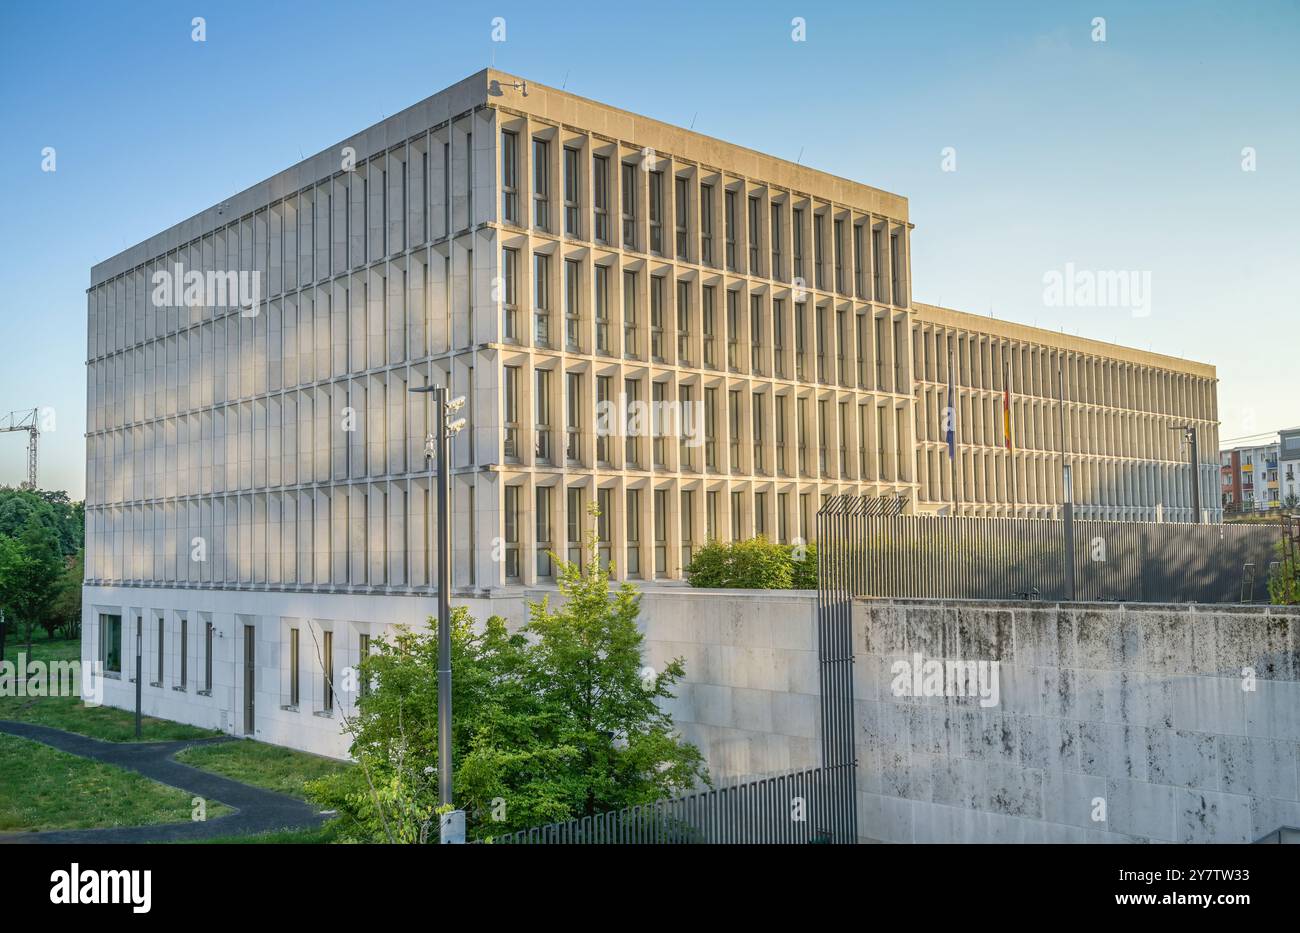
<point x="1113" y="723"/>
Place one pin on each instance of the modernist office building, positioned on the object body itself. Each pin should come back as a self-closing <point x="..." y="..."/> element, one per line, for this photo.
<point x="257" y="495"/>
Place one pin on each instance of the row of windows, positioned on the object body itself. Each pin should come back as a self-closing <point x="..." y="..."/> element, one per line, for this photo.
<point x="698" y="221"/>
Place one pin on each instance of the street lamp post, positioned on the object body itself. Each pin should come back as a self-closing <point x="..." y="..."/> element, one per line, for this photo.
<point x="437" y="447"/>
<point x="1189" y="435"/>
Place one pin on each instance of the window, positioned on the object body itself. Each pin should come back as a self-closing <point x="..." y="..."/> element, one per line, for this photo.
<point x="110" y="642"/>
<point x="634" y="532"/>
<point x="755" y="206"/>
<point x="542" y="416"/>
<point x="895" y="270"/>
<point x="600" y="182"/>
<point x="820" y="337"/>
<point x="185" y="653"/>
<point x="657" y="212"/>
<point x="661" y="530"/>
<point x="819" y="251"/>
<point x="688" y="525"/>
<point x="756" y="334"/>
<point x="658" y="395"/>
<point x="541" y="184"/>
<point x="509" y="277"/>
<point x="841" y="369"/>
<point x="821" y="437"/>
<point x="509" y="177"/>
<point x="733" y="430"/>
<point x="657" y="317"/>
<point x="778" y="405"/>
<point x="782" y="517"/>
<point x="512" y="532"/>
<point x="544" y="545"/>
<point x="801" y="412"/>
<point x="632" y="443"/>
<point x="363" y="652"/>
<point x="571" y="296"/>
<point x="711" y="515"/>
<point x="573" y="416"/>
<point x="861" y="325"/>
<point x="686" y="396"/>
<point x="207" y="657"/>
<point x="707" y="313"/>
<point x="572" y="200"/>
<point x="327" y="671"/>
<point x="629" y="315"/>
<point x="162" y="629"/>
<point x="604" y="498"/>
<point x="680" y="186"/>
<point x="684" y="323"/>
<point x="775" y="236"/>
<point x="760" y="464"/>
<point x="800" y="340"/>
<point x="629" y="205"/>
<point x="602" y="309"/>
<point x="710" y="429"/>
<point x="778" y="338"/>
<point x="706" y="224"/>
<point x="294" y="682"/>
<point x="733" y="332"/>
<point x="512" y="412"/>
<point x="602" y="430"/>
<point x="859" y="268"/>
<point x="573" y="519"/>
<point x="542" y="298"/>
<point x="842" y="469"/>
<point x="877" y="281"/>
<point x="735" y="515"/>
<point x="798" y="244"/>
<point x="729" y="206"/>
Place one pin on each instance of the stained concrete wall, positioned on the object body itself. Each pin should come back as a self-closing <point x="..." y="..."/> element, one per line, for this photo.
<point x="1142" y="708"/>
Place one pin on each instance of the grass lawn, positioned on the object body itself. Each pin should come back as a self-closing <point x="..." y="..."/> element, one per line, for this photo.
<point x="280" y="769"/>
<point x="43" y="788"/>
<point x="321" y="835"/>
<point x="100" y="722"/>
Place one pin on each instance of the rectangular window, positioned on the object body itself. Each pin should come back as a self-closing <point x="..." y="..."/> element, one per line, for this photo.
<point x="604" y="502"/>
<point x="602" y="309"/>
<point x="542" y="416"/>
<point x="858" y="267"/>
<point x="756" y="334"/>
<point x="760" y="515"/>
<point x="363" y="652"/>
<point x="819" y="251"/>
<point x="778" y="338"/>
<point x="688" y="526"/>
<point x="629" y="205"/>
<point x="162" y="629"/>
<point x="775" y="236"/>
<point x="755" y="206"/>
<point x="800" y="341"/>
<point x="782" y="517"/>
<point x="841" y="370"/>
<point x="760" y="464"/>
<point x="185" y="653"/>
<point x="710" y="360"/>
<point x="110" y="642"/>
<point x="573" y="512"/>
<point x="512" y="412"/>
<point x="733" y="331"/>
<point x="710" y="429"/>
<point x="573" y="416"/>
<point x="735" y="515"/>
<point x="685" y="452"/>
<point x="729" y="206"/>
<point x="571" y="296"/>
<point x="661" y="531"/>
<point x="877" y="279"/>
<point x="509" y="283"/>
<point x="633" y="521"/>
<point x="509" y="177"/>
<point x="778" y="406"/>
<point x="820" y="337"/>
<point x="798" y="243"/>
<point x="658" y="395"/>
<point x="632" y="443"/>
<point x="512" y="532"/>
<point x="839" y="256"/>
<point x="683" y="323"/>
<point x="572" y="199"/>
<point x="821" y="437"/>
<point x="542" y="298"/>
<point x="706" y="224"/>
<point x="657" y="212"/>
<point x="600" y="183"/>
<point x="657" y="318"/>
<point x="541" y="184"/>
<point x="327" y="672"/>
<point x="602" y="431"/>
<point x="733" y="430"/>
<point x="711" y="515"/>
<point x="895" y="270"/>
<point x="544" y="545"/>
<point x="294" y="682"/>
<point x="207" y="657"/>
<point x="681" y="187"/>
<point x="630" y="347"/>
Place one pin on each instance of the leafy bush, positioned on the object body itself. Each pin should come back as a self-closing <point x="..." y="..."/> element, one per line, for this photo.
<point x="1284" y="583"/>
<point x="756" y="564"/>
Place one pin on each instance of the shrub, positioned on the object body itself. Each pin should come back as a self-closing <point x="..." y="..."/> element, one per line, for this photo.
<point x="756" y="564"/>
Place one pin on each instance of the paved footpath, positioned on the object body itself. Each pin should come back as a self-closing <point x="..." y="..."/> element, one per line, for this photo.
<point x="256" y="809"/>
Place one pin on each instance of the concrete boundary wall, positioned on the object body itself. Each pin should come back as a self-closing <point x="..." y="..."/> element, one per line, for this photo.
<point x="1115" y="723"/>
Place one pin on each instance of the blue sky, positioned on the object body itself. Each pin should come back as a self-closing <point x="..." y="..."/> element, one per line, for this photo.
<point x="1116" y="155"/>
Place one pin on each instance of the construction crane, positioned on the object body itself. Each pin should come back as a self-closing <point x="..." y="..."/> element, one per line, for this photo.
<point x="28" y="421"/>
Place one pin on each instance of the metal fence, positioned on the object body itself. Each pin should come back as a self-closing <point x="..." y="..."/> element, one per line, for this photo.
<point x="800" y="807"/>
<point x="877" y="552"/>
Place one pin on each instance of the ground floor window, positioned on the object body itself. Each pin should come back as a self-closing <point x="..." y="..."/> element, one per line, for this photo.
<point x="110" y="642"/>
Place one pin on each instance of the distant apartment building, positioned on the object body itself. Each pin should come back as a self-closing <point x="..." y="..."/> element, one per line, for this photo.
<point x="1260" y="477"/>
<point x="258" y="503"/>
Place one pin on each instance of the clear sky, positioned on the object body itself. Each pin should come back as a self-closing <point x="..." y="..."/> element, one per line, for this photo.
<point x="1123" y="155"/>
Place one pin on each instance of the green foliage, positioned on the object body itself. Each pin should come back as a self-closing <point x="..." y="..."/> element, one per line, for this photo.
<point x="756" y="564"/>
<point x="41" y="540"/>
<point x="554" y="721"/>
<point x="1284" y="582"/>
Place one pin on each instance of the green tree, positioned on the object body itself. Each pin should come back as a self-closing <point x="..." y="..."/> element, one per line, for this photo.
<point x="556" y="720"/>
<point x="30" y="568"/>
<point x="754" y="564"/>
